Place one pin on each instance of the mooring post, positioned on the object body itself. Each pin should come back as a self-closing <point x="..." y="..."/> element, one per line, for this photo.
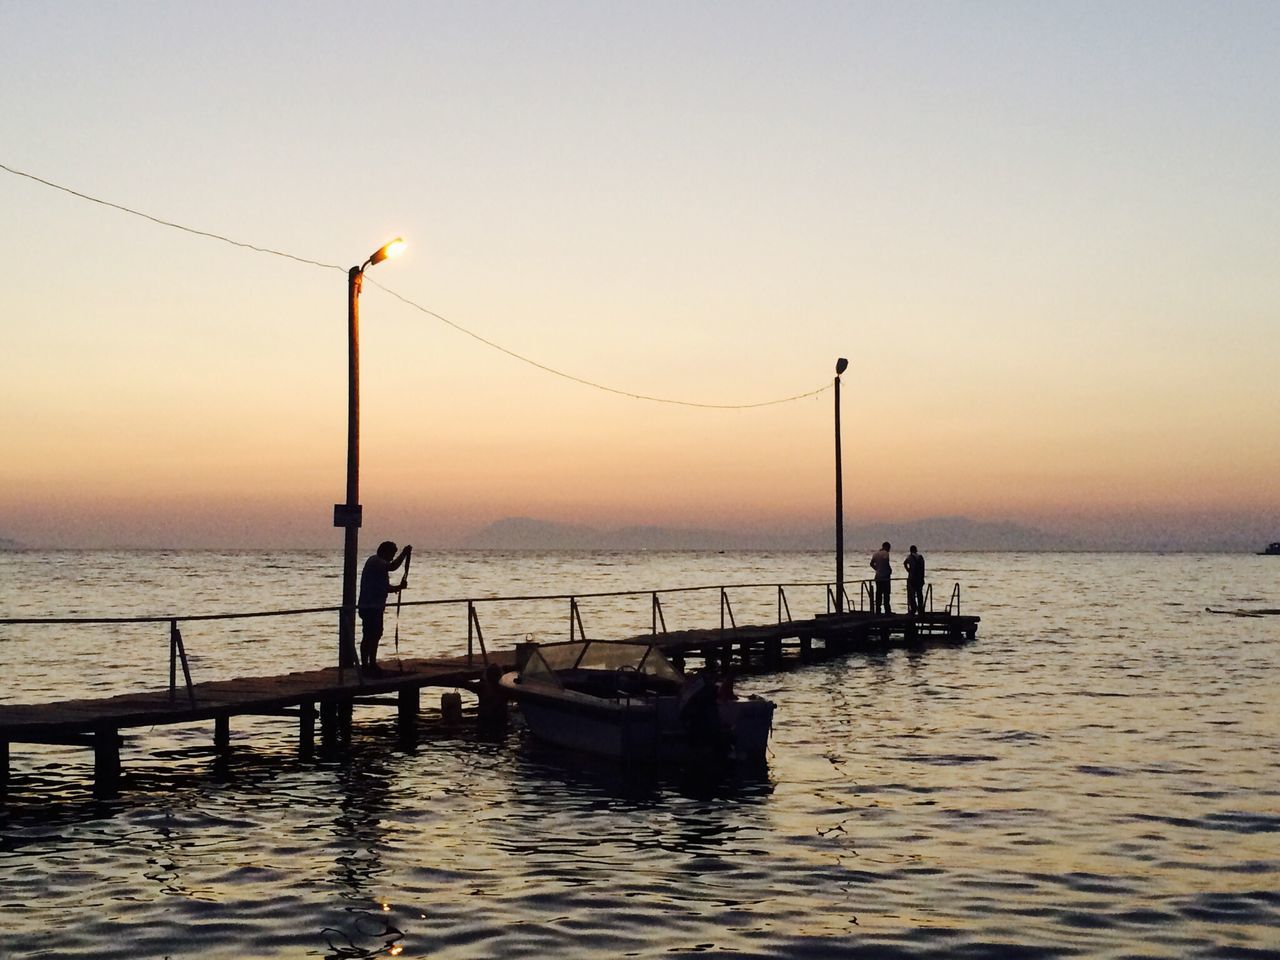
<point x="407" y="712"/>
<point x="306" y="728"/>
<point x="451" y="708"/>
<point x="806" y="647"/>
<point x="329" y="721"/>
<point x="173" y="660"/>
<point x="221" y="732"/>
<point x="346" y="708"/>
<point x="106" y="760"/>
<point x="773" y="652"/>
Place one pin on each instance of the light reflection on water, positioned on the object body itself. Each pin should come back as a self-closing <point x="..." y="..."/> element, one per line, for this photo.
<point x="1098" y="775"/>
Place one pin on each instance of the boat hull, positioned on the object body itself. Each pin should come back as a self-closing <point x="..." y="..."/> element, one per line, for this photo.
<point x="632" y="728"/>
<point x="612" y="728"/>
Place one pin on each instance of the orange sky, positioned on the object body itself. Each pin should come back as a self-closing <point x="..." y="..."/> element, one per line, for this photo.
<point x="1051" y="262"/>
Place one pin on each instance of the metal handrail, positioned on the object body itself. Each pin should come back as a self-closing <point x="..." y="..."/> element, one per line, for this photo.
<point x="193" y="618"/>
<point x="725" y="605"/>
<point x="178" y="654"/>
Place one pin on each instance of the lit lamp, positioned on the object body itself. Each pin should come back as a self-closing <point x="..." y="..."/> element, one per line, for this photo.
<point x="841" y="365"/>
<point x="347" y="515"/>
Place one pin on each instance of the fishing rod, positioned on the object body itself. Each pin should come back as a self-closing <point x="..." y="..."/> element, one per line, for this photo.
<point x="404" y="581"/>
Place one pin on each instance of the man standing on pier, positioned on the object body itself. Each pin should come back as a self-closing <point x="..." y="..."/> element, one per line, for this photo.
<point x="375" y="585"/>
<point x="884" y="572"/>
<point x="915" y="581"/>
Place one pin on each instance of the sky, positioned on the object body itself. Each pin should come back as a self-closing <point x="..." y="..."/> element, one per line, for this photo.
<point x="1046" y="237"/>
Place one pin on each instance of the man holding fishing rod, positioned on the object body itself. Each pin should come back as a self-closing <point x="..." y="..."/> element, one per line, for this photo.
<point x="375" y="585"/>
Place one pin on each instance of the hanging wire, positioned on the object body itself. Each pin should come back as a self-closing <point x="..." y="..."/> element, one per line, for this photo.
<point x="591" y="383"/>
<point x="417" y="306"/>
<point x="168" y="223"/>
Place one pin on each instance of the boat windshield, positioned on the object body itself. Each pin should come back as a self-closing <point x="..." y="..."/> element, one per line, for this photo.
<point x="644" y="658"/>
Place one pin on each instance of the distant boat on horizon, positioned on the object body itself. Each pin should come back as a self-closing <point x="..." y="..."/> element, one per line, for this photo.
<point x="1273" y="550"/>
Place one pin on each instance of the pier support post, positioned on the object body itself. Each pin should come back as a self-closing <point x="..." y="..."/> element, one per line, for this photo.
<point x="346" y="707"/>
<point x="407" y="712"/>
<point x="806" y="648"/>
<point x="221" y="733"/>
<point x="773" y="653"/>
<point x="4" y="766"/>
<point x="306" y="728"/>
<point x="106" y="761"/>
<point x="329" y="722"/>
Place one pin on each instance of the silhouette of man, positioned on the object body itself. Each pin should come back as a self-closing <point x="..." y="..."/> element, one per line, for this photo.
<point x="375" y="585"/>
<point x="881" y="564"/>
<point x="915" y="580"/>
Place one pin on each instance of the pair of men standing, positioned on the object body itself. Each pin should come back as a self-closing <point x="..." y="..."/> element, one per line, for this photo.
<point x="882" y="565"/>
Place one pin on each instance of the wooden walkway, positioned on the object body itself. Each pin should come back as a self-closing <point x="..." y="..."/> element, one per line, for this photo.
<point x="330" y="694"/>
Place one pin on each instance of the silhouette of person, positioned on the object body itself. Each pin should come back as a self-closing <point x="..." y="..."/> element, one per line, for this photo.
<point x="375" y="585"/>
<point x="881" y="564"/>
<point x="915" y="580"/>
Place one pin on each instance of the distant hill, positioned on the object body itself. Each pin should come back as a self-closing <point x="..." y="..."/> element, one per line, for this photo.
<point x="7" y="544"/>
<point x="937" y="533"/>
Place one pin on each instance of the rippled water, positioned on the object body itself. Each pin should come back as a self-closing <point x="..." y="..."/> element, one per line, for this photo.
<point x="1098" y="775"/>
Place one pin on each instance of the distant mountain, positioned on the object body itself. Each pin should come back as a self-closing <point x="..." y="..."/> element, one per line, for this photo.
<point x="526" y="533"/>
<point x="7" y="544"/>
<point x="937" y="533"/>
<point x="959" y="533"/>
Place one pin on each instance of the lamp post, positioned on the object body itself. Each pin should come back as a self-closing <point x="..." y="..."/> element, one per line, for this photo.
<point x="841" y="365"/>
<point x="348" y="515"/>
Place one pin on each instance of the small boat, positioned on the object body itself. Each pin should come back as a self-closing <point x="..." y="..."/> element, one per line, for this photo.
<point x="1273" y="550"/>
<point x="625" y="699"/>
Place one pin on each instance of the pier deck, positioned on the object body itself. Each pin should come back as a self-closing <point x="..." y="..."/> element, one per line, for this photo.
<point x="330" y="693"/>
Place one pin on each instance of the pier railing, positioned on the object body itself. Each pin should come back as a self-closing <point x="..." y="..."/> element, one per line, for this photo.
<point x="476" y="645"/>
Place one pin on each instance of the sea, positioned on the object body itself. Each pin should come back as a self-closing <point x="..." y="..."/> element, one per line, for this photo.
<point x="1096" y="775"/>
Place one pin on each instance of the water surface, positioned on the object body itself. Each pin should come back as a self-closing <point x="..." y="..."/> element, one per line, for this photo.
<point x="1098" y="775"/>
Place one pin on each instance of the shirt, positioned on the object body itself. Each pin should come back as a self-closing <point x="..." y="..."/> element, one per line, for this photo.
<point x="880" y="560"/>
<point x="375" y="584"/>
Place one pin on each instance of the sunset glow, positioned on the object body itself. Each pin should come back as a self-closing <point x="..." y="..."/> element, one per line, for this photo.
<point x="1044" y="240"/>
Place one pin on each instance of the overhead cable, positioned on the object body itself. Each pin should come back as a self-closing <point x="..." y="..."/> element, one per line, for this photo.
<point x="417" y="306"/>
<point x="592" y="383"/>
<point x="167" y="223"/>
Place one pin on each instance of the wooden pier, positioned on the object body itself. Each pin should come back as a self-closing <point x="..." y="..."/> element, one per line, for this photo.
<point x="329" y="695"/>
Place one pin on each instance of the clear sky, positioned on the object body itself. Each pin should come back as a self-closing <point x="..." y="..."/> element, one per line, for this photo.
<point x="1047" y="237"/>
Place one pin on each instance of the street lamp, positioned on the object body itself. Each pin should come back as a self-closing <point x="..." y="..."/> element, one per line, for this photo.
<point x="348" y="514"/>
<point x="841" y="365"/>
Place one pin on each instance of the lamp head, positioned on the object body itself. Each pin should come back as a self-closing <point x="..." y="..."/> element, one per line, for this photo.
<point x="841" y="366"/>
<point x="391" y="249"/>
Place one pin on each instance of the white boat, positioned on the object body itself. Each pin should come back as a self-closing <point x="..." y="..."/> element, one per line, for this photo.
<point x="625" y="699"/>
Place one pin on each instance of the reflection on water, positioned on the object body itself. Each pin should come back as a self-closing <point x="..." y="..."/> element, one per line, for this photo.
<point x="1098" y="775"/>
